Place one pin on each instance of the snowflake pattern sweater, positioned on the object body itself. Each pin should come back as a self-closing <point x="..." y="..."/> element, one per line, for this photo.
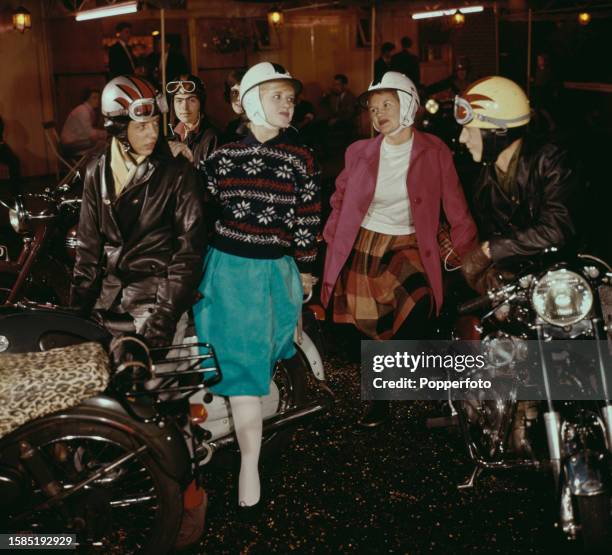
<point x="270" y="198"/>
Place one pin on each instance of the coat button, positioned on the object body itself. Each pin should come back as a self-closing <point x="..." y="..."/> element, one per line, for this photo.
<point x="417" y="200"/>
<point x="107" y="201"/>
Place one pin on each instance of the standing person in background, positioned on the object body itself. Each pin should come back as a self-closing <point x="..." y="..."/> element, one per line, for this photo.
<point x="176" y="63"/>
<point x="120" y="61"/>
<point x="407" y="63"/>
<point x="260" y="259"/>
<point x="383" y="64"/>
<point x="79" y="134"/>
<point x="191" y="126"/>
<point x="9" y="159"/>
<point x="236" y="129"/>
<point x="382" y="266"/>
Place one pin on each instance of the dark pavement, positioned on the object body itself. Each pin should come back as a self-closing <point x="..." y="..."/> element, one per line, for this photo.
<point x="337" y="489"/>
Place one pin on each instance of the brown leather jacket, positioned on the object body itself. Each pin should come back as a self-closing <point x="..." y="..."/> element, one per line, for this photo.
<point x="145" y="246"/>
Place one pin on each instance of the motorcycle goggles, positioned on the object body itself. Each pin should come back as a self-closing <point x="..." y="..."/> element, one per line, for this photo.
<point x="464" y="114"/>
<point x="180" y="87"/>
<point x="143" y="109"/>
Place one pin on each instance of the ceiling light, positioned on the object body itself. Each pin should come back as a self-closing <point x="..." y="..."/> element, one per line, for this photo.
<point x="107" y="11"/>
<point x="442" y="13"/>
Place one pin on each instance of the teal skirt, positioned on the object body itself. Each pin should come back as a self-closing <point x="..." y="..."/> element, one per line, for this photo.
<point x="248" y="313"/>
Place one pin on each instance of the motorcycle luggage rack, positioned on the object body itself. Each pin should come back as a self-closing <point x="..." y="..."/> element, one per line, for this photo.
<point x="140" y="375"/>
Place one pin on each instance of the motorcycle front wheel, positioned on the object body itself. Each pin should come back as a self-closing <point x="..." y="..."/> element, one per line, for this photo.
<point x="132" y="508"/>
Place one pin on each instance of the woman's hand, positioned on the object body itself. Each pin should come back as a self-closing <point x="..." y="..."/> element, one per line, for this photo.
<point x="308" y="282"/>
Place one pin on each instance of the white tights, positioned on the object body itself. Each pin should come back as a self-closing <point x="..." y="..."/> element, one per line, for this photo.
<point x="246" y="412"/>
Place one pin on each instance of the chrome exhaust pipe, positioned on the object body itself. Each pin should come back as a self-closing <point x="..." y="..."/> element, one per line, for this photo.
<point x="273" y="424"/>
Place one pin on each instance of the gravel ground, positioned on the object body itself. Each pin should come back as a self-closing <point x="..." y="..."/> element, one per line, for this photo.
<point x="337" y="489"/>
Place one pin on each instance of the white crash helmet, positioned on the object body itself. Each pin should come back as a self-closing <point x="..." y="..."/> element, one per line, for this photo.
<point x="250" y="101"/>
<point x="131" y="97"/>
<point x="264" y="72"/>
<point x="407" y="92"/>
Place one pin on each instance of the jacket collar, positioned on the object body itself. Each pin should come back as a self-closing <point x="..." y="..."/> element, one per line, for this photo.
<point x="419" y="145"/>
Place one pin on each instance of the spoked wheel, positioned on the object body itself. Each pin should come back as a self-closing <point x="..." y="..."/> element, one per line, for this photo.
<point x="133" y="507"/>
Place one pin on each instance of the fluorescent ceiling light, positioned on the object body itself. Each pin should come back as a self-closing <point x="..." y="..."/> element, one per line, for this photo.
<point x="441" y="13"/>
<point x="108" y="11"/>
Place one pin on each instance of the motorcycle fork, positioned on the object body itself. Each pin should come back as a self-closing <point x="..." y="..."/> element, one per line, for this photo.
<point x="552" y="419"/>
<point x="27" y="257"/>
<point x="607" y="408"/>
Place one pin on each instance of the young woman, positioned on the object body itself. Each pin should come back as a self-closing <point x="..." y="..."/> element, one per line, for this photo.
<point x="260" y="258"/>
<point x="382" y="265"/>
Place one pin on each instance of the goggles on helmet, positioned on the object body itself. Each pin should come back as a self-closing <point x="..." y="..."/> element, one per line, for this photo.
<point x="182" y="87"/>
<point x="464" y="114"/>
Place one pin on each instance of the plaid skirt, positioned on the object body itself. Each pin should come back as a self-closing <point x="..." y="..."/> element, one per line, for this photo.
<point x="380" y="284"/>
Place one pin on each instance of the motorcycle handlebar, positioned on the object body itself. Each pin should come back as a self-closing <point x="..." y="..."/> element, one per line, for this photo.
<point x="475" y="305"/>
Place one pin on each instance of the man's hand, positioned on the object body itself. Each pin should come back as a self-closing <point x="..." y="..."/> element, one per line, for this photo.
<point x="473" y="266"/>
<point x="177" y="148"/>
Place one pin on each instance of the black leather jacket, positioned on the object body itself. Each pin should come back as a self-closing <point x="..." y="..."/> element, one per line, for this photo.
<point x="535" y="214"/>
<point x="201" y="143"/>
<point x="145" y="246"/>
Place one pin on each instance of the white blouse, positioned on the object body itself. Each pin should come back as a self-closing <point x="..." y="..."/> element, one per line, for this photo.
<point x="389" y="212"/>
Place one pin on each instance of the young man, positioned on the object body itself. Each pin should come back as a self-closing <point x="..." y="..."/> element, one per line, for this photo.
<point x="521" y="200"/>
<point x="383" y="63"/>
<point x="407" y="63"/>
<point x="141" y="232"/>
<point x="192" y="128"/>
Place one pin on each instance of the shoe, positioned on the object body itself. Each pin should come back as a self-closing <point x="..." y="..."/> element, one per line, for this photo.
<point x="192" y="525"/>
<point x="375" y="414"/>
<point x="248" y="514"/>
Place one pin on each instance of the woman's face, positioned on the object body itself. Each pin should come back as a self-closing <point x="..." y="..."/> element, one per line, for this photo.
<point x="235" y="99"/>
<point x="471" y="137"/>
<point x="384" y="109"/>
<point x="278" y="101"/>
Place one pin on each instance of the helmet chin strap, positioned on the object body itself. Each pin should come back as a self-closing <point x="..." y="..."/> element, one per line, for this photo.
<point x="495" y="141"/>
<point x="254" y="109"/>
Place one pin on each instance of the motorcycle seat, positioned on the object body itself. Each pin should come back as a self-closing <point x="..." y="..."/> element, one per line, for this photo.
<point x="33" y="385"/>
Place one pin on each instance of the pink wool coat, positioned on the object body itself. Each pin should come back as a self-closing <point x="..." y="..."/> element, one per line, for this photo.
<point x="432" y="183"/>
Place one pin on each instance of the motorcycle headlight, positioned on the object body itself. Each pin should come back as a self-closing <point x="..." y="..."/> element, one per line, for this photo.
<point x="17" y="222"/>
<point x="562" y="298"/>
<point x="432" y="106"/>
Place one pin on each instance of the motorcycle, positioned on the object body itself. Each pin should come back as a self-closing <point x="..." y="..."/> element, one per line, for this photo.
<point x="47" y="224"/>
<point x="124" y="454"/>
<point x="547" y="304"/>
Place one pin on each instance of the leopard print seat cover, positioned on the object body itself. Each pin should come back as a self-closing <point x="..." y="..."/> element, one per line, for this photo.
<point x="36" y="384"/>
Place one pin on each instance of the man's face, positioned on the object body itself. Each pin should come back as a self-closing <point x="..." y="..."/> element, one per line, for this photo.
<point x="125" y="34"/>
<point x="94" y="100"/>
<point x="187" y="108"/>
<point x="337" y="86"/>
<point x="278" y="101"/>
<point x="142" y="136"/>
<point x="471" y="137"/>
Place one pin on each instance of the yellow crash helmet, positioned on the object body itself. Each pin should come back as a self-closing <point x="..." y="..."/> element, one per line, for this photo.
<point x="492" y="103"/>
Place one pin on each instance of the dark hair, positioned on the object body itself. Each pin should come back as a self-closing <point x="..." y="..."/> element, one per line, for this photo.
<point x="342" y="78"/>
<point x="231" y="80"/>
<point x="123" y="25"/>
<point x="406" y="42"/>
<point x="87" y="92"/>
<point x="387" y="47"/>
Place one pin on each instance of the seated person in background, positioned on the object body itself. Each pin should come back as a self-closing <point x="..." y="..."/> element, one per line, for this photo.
<point x="236" y="128"/>
<point x="10" y="160"/>
<point x="79" y="134"/>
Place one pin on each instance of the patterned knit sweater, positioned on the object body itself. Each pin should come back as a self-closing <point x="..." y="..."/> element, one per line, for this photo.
<point x="270" y="198"/>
